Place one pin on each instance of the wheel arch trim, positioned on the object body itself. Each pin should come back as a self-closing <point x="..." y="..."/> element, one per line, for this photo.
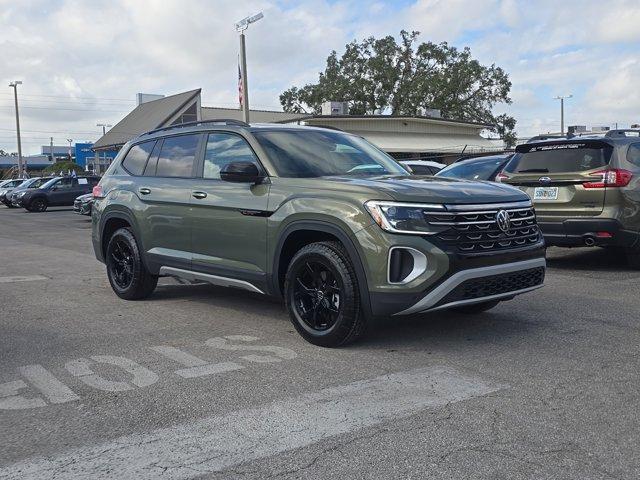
<point x="342" y="236"/>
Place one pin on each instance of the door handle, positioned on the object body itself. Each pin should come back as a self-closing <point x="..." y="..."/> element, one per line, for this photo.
<point x="199" y="195"/>
<point x="144" y="191"/>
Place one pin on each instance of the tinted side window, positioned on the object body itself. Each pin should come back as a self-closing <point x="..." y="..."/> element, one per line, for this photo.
<point x="224" y="148"/>
<point x="177" y="156"/>
<point x="137" y="157"/>
<point x="65" y="184"/>
<point x="633" y="154"/>
<point x="421" y="170"/>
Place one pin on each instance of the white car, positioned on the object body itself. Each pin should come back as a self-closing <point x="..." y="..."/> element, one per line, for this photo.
<point x="7" y="187"/>
<point x="422" y="167"/>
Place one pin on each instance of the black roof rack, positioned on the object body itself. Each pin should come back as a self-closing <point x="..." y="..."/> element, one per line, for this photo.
<point x="217" y="121"/>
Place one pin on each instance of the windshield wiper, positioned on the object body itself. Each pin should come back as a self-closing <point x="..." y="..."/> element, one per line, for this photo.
<point x="534" y="170"/>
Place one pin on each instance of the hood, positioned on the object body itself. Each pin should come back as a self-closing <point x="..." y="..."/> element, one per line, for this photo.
<point x="424" y="189"/>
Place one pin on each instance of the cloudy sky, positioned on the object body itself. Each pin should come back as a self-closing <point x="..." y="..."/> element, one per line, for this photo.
<point x="82" y="62"/>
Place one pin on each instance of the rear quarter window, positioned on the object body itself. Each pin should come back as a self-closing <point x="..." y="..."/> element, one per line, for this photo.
<point x="633" y="154"/>
<point x="137" y="156"/>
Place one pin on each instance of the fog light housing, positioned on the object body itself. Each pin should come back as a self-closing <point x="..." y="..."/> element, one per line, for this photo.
<point x="405" y="264"/>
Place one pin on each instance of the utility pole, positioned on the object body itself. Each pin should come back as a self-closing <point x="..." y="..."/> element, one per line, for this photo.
<point x="241" y="26"/>
<point x="70" y="142"/>
<point x="562" y="98"/>
<point x="14" y="85"/>
<point x="53" y="159"/>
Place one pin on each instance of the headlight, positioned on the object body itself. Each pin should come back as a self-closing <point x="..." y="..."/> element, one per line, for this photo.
<point x="20" y="194"/>
<point x="399" y="217"/>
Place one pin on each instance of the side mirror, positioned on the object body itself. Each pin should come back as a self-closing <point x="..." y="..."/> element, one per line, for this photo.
<point x="54" y="188"/>
<point x="241" y="172"/>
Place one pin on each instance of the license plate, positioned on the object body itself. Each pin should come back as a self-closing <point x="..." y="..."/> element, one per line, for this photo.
<point x="545" y="193"/>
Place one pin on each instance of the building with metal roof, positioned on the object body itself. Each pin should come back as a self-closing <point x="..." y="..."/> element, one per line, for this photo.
<point x="171" y="110"/>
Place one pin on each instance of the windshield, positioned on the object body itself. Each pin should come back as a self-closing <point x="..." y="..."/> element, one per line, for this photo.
<point x="48" y="183"/>
<point x="560" y="158"/>
<point x="314" y="153"/>
<point x="473" y="169"/>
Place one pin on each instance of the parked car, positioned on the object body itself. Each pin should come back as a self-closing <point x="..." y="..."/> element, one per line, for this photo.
<point x="586" y="189"/>
<point x="320" y="218"/>
<point x="15" y="197"/>
<point x="7" y="187"/>
<point x="476" y="168"/>
<point x="83" y="203"/>
<point x="422" y="167"/>
<point x="58" y="191"/>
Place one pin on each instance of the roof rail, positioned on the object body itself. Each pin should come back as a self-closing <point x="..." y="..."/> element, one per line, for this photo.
<point x="621" y="132"/>
<point x="217" y="121"/>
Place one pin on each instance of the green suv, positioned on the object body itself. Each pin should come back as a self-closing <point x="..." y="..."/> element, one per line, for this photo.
<point x="318" y="217"/>
<point x="586" y="189"/>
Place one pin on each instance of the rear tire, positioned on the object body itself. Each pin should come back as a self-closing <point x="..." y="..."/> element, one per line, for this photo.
<point x="477" y="307"/>
<point x="322" y="295"/>
<point x="128" y="276"/>
<point x="38" y="205"/>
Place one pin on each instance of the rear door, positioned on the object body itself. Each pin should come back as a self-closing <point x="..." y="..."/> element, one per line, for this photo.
<point x="563" y="178"/>
<point x="163" y="185"/>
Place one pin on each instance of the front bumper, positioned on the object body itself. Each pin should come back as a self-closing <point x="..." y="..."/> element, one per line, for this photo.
<point x="482" y="284"/>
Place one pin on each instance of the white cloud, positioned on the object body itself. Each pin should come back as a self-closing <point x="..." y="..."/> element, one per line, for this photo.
<point x="89" y="51"/>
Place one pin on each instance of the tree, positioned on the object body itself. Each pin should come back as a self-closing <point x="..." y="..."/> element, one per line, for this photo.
<point x="7" y="154"/>
<point x="406" y="78"/>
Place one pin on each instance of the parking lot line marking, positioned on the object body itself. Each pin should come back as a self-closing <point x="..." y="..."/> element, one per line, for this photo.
<point x="219" y="442"/>
<point x="22" y="278"/>
<point x="47" y="384"/>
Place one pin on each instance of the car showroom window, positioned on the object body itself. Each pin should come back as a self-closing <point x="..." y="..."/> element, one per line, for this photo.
<point x="224" y="148"/>
<point x="633" y="154"/>
<point x="137" y="157"/>
<point x="177" y="156"/>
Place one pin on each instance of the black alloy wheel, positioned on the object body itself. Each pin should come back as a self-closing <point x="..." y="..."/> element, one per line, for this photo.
<point x="38" y="205"/>
<point x="316" y="295"/>
<point x="322" y="295"/>
<point x="127" y="273"/>
<point x="121" y="263"/>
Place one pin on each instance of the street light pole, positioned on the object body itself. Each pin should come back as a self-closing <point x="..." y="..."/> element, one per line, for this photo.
<point x="14" y="85"/>
<point x="561" y="98"/>
<point x="241" y="26"/>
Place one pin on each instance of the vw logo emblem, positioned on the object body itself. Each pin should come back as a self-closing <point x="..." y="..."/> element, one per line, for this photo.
<point x="503" y="220"/>
<point x="544" y="179"/>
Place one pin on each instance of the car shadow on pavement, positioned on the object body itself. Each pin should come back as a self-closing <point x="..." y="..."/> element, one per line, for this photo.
<point x="397" y="332"/>
<point x="588" y="259"/>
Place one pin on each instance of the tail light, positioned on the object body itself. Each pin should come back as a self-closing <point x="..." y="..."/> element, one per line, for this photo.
<point x="501" y="177"/>
<point x="616" y="177"/>
<point x="97" y="192"/>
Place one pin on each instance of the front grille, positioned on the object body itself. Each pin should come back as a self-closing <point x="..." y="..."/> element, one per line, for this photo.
<point x="476" y="229"/>
<point x="495" y="285"/>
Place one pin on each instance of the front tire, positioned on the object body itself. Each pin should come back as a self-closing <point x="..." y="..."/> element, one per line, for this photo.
<point x="38" y="205"/>
<point x="322" y="295"/>
<point x="128" y="276"/>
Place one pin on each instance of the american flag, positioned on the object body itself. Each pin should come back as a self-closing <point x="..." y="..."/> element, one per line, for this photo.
<point x="240" y="86"/>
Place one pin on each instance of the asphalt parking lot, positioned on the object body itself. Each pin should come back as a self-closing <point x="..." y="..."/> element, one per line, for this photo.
<point x="207" y="382"/>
